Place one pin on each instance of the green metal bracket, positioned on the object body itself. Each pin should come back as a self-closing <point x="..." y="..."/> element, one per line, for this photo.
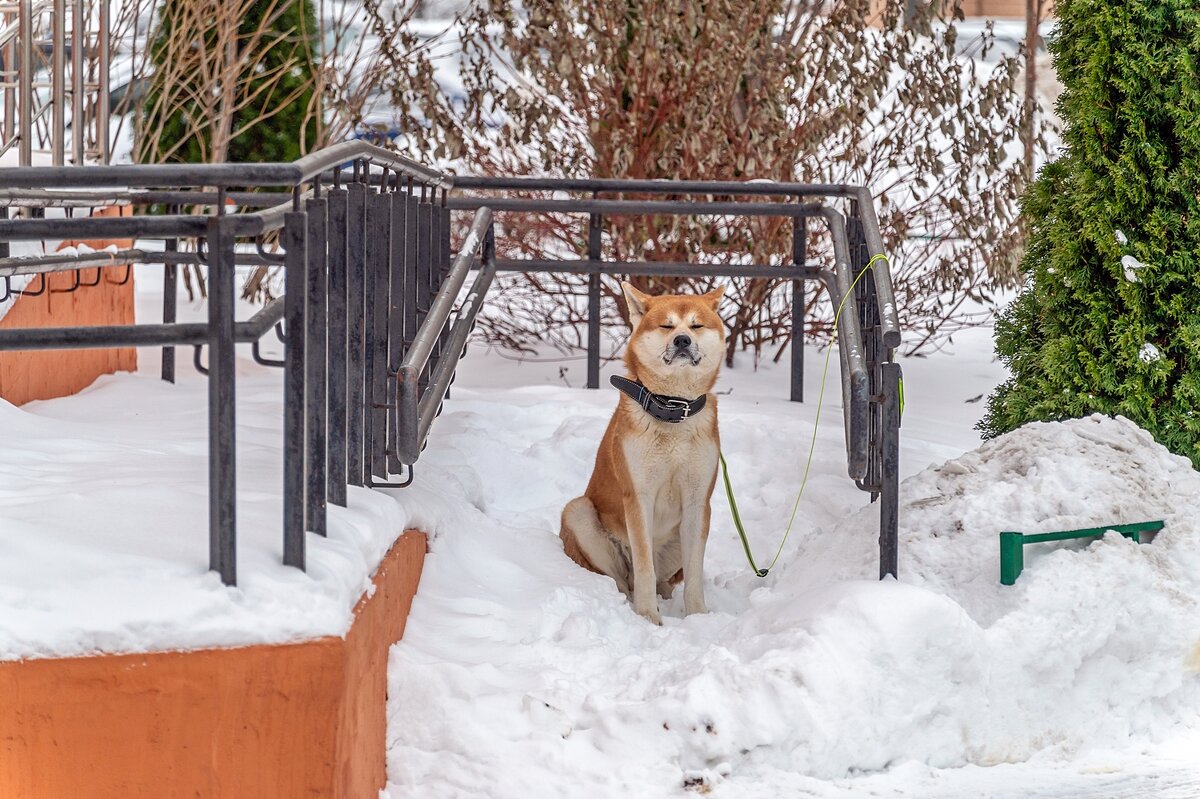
<point x="1012" y="554"/>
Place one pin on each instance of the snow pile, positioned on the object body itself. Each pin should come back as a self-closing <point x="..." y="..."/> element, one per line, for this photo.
<point x="522" y="675"/>
<point x="104" y="526"/>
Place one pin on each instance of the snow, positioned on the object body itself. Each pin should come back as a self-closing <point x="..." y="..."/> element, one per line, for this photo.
<point x="522" y="675"/>
<point x="1131" y="265"/>
<point x="105" y="527"/>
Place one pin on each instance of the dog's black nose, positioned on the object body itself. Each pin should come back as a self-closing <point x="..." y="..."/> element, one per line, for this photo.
<point x="682" y="341"/>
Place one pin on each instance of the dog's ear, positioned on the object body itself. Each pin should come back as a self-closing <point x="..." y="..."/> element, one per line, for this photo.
<point x="714" y="297"/>
<point x="636" y="301"/>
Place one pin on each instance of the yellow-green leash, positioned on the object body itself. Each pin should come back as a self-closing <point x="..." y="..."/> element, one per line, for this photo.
<point x="733" y="508"/>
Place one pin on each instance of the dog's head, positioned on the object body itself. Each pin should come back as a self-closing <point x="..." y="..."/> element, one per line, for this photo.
<point x="678" y="338"/>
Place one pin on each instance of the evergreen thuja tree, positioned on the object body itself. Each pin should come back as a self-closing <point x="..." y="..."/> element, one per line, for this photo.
<point x="1109" y="318"/>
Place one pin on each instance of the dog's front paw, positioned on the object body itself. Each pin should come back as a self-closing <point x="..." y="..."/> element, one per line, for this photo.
<point x="650" y="614"/>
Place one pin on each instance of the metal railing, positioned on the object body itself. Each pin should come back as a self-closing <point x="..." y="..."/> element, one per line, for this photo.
<point x="370" y="286"/>
<point x="368" y="317"/>
<point x="868" y="328"/>
<point x="39" y="86"/>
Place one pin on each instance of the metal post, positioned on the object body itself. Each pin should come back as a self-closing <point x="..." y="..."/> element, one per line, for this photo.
<point x="78" y="80"/>
<point x="409" y="274"/>
<point x="398" y="218"/>
<point x="337" y="345"/>
<point x="356" y="333"/>
<point x="222" y="416"/>
<point x="378" y="291"/>
<point x="170" y="300"/>
<point x="315" y="363"/>
<point x="433" y="263"/>
<point x="424" y="267"/>
<point x="58" y="80"/>
<point x="295" y="277"/>
<point x="10" y="89"/>
<point x="25" y="78"/>
<point x="889" y="504"/>
<point x="799" y="257"/>
<point x="103" y="145"/>
<point x="595" y="222"/>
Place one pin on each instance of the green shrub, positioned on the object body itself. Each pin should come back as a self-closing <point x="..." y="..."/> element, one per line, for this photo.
<point x="1109" y="318"/>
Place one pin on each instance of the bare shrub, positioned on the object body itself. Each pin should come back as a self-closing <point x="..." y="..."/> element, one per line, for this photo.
<point x="847" y="91"/>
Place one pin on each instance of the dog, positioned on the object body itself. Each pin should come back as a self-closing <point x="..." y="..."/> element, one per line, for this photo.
<point x="643" y="519"/>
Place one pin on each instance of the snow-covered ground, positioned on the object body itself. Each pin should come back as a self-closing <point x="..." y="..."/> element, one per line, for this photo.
<point x="521" y="675"/>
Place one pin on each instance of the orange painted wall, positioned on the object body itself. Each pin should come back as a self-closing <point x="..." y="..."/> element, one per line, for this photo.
<point x="300" y="720"/>
<point x="45" y="374"/>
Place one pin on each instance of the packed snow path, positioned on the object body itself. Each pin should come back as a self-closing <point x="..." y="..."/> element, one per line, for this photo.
<point x="521" y="675"/>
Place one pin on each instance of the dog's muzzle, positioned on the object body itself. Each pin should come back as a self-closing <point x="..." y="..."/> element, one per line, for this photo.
<point x="682" y="346"/>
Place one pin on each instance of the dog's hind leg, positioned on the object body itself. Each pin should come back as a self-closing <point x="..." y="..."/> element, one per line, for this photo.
<point x="587" y="543"/>
<point x="668" y="561"/>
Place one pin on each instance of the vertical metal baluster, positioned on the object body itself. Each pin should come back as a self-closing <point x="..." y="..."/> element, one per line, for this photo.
<point x="25" y="72"/>
<point x="395" y="338"/>
<point x="373" y="244"/>
<point x="377" y="354"/>
<point x="436" y="232"/>
<point x="424" y="267"/>
<point x="58" y="80"/>
<point x="78" y="82"/>
<point x="101" y="114"/>
<point x="889" y="505"/>
<point x="595" y="228"/>
<point x="296" y="280"/>
<point x="799" y="258"/>
<point x="222" y="409"/>
<point x="316" y="363"/>
<point x="411" y="322"/>
<point x="170" y="301"/>
<point x="336" y="478"/>
<point x="445" y="256"/>
<point x="356" y="338"/>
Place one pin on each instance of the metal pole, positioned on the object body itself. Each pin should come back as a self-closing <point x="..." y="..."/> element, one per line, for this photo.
<point x="889" y="504"/>
<point x="397" y="245"/>
<point x="356" y="332"/>
<point x="222" y="418"/>
<point x="337" y="346"/>
<point x="799" y="256"/>
<point x="170" y="300"/>
<point x="424" y="268"/>
<point x="294" y="503"/>
<point x="58" y="81"/>
<point x="595" y="227"/>
<point x="315" y="349"/>
<point x="378" y="291"/>
<point x="25" y="80"/>
<point x="78" y="79"/>
<point x="10" y="89"/>
<point x="103" y="145"/>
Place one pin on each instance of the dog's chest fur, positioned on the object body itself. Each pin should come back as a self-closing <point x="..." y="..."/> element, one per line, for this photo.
<point x="663" y="460"/>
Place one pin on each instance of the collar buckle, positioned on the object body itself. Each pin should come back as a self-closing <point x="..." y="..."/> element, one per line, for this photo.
<point x="677" y="404"/>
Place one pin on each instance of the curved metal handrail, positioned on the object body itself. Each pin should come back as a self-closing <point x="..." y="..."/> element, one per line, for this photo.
<point x="272" y="173"/>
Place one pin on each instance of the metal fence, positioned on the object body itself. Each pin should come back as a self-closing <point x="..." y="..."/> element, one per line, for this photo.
<point x="371" y="336"/>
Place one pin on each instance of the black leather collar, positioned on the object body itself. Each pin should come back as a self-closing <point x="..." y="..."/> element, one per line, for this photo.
<point x="663" y="408"/>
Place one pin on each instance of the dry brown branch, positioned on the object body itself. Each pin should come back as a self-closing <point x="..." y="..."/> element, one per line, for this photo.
<point x="846" y="91"/>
